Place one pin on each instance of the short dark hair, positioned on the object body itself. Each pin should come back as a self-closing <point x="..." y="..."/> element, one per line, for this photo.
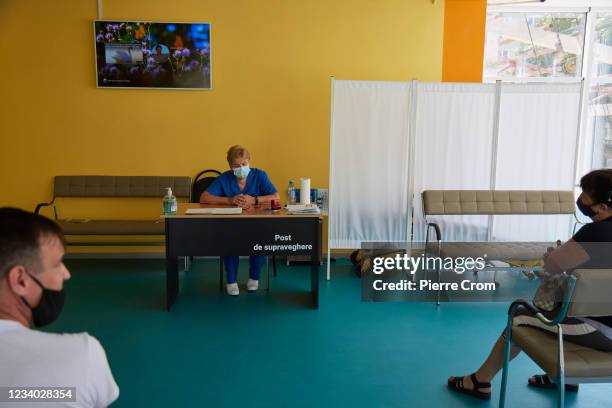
<point x="598" y="185"/>
<point x="20" y="236"/>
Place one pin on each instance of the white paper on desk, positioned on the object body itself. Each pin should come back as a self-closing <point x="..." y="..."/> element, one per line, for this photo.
<point x="303" y="209"/>
<point x="214" y="211"/>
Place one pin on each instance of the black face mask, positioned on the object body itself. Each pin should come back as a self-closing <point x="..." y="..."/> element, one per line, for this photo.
<point x="50" y="305"/>
<point x="585" y="209"/>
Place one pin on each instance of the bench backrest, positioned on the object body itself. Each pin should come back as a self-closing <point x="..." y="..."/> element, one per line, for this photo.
<point x="121" y="186"/>
<point x="592" y="294"/>
<point x="497" y="202"/>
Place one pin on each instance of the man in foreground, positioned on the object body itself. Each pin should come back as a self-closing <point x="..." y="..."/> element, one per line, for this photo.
<point x="32" y="275"/>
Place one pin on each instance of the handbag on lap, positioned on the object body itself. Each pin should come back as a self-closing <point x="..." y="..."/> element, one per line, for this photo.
<point x="551" y="291"/>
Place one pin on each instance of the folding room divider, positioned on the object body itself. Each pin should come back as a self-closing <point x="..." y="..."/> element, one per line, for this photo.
<point x="391" y="140"/>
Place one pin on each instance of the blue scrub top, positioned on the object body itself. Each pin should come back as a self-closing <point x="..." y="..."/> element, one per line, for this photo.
<point x="258" y="184"/>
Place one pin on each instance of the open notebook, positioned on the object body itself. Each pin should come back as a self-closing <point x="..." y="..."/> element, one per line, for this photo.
<point x="231" y="210"/>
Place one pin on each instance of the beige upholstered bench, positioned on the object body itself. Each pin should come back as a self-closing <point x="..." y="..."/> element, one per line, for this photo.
<point x="492" y="202"/>
<point x="114" y="186"/>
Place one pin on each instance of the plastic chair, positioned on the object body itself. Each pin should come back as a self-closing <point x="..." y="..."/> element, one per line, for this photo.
<point x="200" y="183"/>
<point x="588" y="294"/>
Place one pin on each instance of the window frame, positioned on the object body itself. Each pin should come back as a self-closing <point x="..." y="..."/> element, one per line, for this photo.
<point x="592" y="9"/>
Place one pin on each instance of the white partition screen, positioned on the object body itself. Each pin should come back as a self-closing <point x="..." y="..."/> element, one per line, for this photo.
<point x="369" y="149"/>
<point x="390" y="141"/>
<point x="536" y="149"/>
<point x="453" y="148"/>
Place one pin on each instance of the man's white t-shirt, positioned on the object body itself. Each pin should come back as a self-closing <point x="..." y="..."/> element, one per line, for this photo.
<point x="31" y="358"/>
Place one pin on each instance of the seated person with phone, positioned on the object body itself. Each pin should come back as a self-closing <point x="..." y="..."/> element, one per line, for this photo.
<point x="244" y="187"/>
<point x="595" y="332"/>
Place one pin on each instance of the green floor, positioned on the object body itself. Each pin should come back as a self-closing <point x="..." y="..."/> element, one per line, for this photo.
<point x="271" y="350"/>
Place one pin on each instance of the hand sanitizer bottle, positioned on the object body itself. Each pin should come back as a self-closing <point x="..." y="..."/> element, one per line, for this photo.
<point x="169" y="203"/>
<point x="291" y="193"/>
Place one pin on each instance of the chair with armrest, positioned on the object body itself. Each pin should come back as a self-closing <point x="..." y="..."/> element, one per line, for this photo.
<point x="588" y="294"/>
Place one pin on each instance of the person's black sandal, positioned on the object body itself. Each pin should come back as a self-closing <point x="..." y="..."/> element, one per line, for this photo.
<point x="543" y="381"/>
<point x="456" y="384"/>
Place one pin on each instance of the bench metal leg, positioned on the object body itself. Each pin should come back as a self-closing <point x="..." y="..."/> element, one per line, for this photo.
<point x="438" y="294"/>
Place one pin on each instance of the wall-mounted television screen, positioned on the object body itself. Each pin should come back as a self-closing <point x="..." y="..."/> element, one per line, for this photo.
<point x="136" y="54"/>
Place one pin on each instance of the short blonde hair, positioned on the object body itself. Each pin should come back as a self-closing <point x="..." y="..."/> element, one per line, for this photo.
<point x="237" y="151"/>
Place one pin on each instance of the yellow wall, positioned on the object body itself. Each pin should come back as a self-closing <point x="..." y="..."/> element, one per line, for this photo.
<point x="271" y="62"/>
<point x="464" y="36"/>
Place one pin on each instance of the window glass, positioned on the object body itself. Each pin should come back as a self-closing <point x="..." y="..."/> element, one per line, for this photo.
<point x="533" y="45"/>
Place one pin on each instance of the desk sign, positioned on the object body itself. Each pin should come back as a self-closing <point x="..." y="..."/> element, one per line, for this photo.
<point x="282" y="243"/>
<point x="244" y="236"/>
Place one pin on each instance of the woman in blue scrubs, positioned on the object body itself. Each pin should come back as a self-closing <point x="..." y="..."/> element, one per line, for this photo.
<point x="244" y="187"/>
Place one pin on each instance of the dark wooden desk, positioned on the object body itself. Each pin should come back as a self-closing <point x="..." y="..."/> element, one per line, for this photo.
<point x="254" y="232"/>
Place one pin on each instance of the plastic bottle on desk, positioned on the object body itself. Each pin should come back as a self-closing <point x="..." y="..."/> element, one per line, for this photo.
<point x="291" y="199"/>
<point x="169" y="205"/>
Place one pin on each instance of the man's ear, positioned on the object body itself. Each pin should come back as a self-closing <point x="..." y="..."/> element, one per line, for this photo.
<point x="17" y="281"/>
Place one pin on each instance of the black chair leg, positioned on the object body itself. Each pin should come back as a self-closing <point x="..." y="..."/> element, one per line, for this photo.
<point x="221" y="274"/>
<point x="267" y="275"/>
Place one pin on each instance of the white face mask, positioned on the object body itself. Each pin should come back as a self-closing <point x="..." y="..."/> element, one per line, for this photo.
<point x="242" y="172"/>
